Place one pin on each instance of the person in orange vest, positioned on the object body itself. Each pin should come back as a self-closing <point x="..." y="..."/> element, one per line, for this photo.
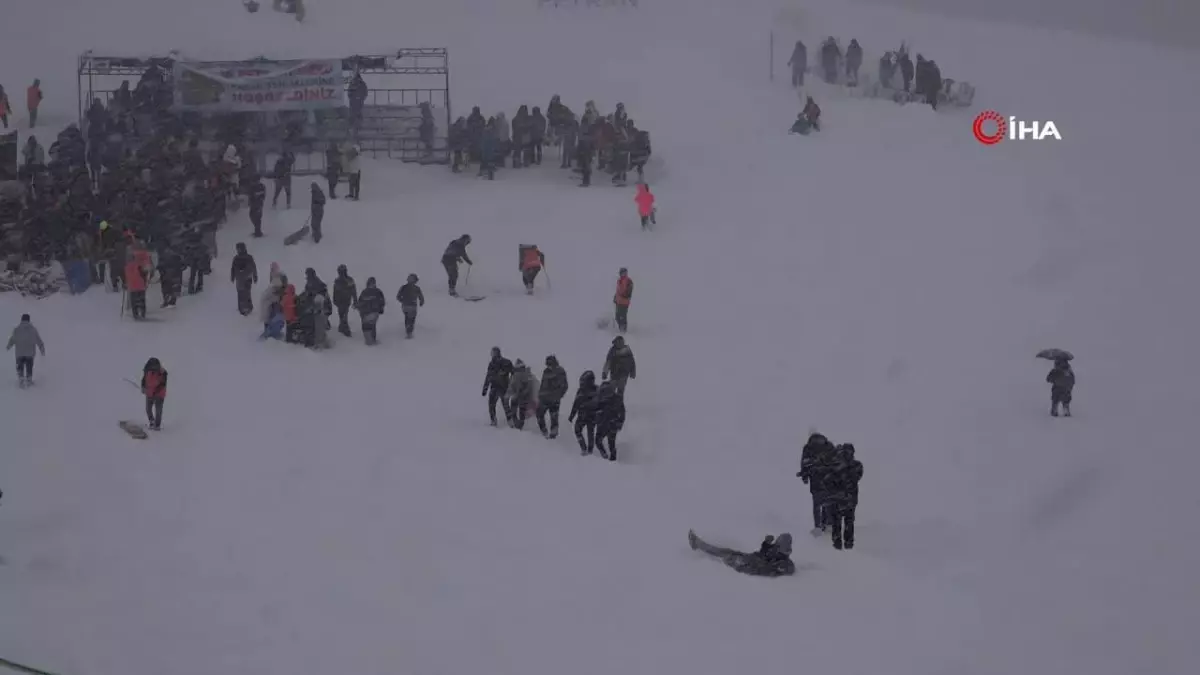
<point x="33" y="98"/>
<point x="532" y="261"/>
<point x="5" y="107"/>
<point x="154" y="386"/>
<point x="645" y="203"/>
<point x="622" y="298"/>
<point x="137" y="275"/>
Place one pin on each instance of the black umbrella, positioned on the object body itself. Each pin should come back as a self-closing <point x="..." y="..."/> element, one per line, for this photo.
<point x="1055" y="354"/>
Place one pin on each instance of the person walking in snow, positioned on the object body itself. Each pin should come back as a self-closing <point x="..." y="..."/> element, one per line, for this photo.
<point x="530" y="262"/>
<point x="258" y="197"/>
<point x="495" y="384"/>
<point x="610" y="418"/>
<point x="243" y="274"/>
<point x="583" y="412"/>
<point x="799" y="63"/>
<point x="154" y="388"/>
<point x="33" y="100"/>
<point x="622" y="299"/>
<point x="370" y="308"/>
<point x="283" y="177"/>
<point x="550" y="395"/>
<point x="841" y="495"/>
<point x="345" y="298"/>
<point x="831" y="55"/>
<point x="817" y="455"/>
<point x="455" y="251"/>
<point x="353" y="171"/>
<point x="317" y="214"/>
<point x="27" y="341"/>
<point x="620" y="364"/>
<point x="333" y="167"/>
<point x="854" y="57"/>
<point x="522" y="394"/>
<point x="1062" y="383"/>
<point x="137" y="275"/>
<point x="410" y="298"/>
<point x="647" y="211"/>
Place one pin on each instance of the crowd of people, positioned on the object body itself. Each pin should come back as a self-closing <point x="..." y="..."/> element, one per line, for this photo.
<point x="598" y="410"/>
<point x="896" y="69"/>
<point x="610" y="143"/>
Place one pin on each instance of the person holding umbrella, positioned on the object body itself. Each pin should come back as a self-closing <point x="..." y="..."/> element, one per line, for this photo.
<point x="1061" y="379"/>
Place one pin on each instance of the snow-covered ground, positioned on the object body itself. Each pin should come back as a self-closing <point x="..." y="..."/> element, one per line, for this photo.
<point x="887" y="281"/>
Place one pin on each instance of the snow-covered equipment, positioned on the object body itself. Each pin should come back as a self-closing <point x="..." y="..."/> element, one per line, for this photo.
<point x="1056" y="355"/>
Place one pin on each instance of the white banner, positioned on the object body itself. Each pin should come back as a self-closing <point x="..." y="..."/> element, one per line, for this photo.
<point x="258" y="86"/>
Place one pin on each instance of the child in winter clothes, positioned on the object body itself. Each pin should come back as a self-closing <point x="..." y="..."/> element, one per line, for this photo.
<point x="645" y="201"/>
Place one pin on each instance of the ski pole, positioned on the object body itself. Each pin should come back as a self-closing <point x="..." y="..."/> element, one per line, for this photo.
<point x="546" y="271"/>
<point x="133" y="384"/>
<point x="467" y="280"/>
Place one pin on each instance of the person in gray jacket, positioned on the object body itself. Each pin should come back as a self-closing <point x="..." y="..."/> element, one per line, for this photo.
<point x="27" y="341"/>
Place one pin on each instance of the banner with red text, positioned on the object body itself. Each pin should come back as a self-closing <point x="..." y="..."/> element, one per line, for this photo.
<point x="259" y="86"/>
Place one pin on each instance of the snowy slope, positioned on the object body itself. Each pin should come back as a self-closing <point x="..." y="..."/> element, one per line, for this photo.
<point x="887" y="281"/>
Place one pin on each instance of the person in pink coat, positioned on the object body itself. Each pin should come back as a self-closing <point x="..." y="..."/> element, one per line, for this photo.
<point x="645" y="204"/>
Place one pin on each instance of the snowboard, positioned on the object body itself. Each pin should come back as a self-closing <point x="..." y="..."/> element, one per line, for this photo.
<point x="133" y="429"/>
<point x="297" y="235"/>
<point x="471" y="298"/>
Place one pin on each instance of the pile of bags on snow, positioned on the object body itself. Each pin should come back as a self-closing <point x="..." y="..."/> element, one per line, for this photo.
<point x="38" y="282"/>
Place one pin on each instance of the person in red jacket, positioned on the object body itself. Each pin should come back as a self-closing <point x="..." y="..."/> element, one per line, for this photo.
<point x="33" y="99"/>
<point x="137" y="274"/>
<point x="154" y="386"/>
<point x="622" y="298"/>
<point x="532" y="261"/>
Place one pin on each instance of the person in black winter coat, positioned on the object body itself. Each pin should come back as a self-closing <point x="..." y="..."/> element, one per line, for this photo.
<point x="345" y="297"/>
<point x="198" y="259"/>
<point x="495" y="384"/>
<point x="799" y="63"/>
<point x="459" y="144"/>
<point x="772" y="559"/>
<point x="537" y="134"/>
<point x="283" y="177"/>
<point x="410" y="298"/>
<point x="620" y="364"/>
<point x="830" y="54"/>
<point x="243" y="274"/>
<point x="317" y="213"/>
<point x="370" y="308"/>
<point x="817" y="454"/>
<point x="906" y="69"/>
<point x="170" y="274"/>
<point x="1062" y="384"/>
<point x="550" y="395"/>
<point x="933" y="83"/>
<point x="854" y="57"/>
<point x="313" y="285"/>
<point x="455" y="251"/>
<point x="841" y="495"/>
<point x="610" y="418"/>
<point x="258" y="197"/>
<point x="583" y="412"/>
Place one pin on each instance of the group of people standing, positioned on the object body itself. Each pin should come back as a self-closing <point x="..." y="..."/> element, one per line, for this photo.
<point x="836" y="66"/>
<point x="598" y="410"/>
<point x="33" y="101"/>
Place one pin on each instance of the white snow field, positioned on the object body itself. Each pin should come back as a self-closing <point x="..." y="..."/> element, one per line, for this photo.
<point x="887" y="281"/>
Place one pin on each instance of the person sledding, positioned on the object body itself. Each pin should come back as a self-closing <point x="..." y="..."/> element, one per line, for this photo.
<point x="808" y="120"/>
<point x="647" y="210"/>
<point x="772" y="559"/>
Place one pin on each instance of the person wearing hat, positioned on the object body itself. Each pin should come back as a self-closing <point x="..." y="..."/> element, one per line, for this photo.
<point x="27" y="341"/>
<point x="353" y="171"/>
<point x="550" y="395"/>
<point x="345" y="298"/>
<point x="317" y="212"/>
<point x="154" y="388"/>
<point x="620" y="364"/>
<point x="772" y="559"/>
<point x="410" y="297"/>
<point x="370" y="306"/>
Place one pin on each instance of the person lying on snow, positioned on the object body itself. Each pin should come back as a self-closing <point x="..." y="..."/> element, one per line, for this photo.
<point x="773" y="558"/>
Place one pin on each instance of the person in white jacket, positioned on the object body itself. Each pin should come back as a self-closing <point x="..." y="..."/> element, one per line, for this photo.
<point x="27" y="341"/>
<point x="350" y="167"/>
